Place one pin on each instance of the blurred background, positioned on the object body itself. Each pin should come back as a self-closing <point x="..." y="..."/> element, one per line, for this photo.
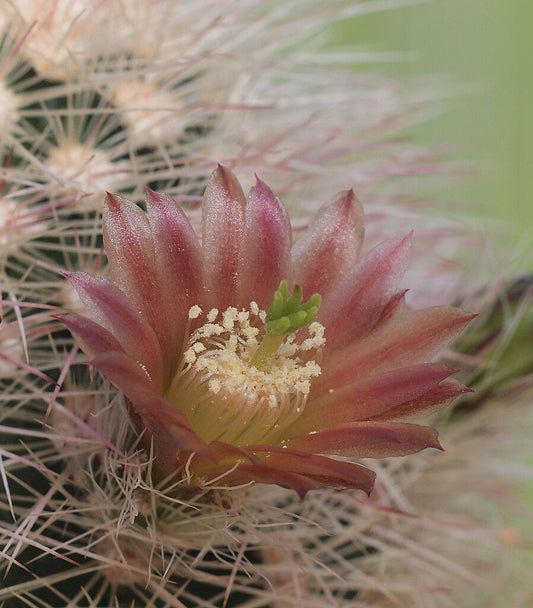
<point x="484" y="48"/>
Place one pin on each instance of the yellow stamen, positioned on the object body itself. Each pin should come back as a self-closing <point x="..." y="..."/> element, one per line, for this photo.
<point x="231" y="393"/>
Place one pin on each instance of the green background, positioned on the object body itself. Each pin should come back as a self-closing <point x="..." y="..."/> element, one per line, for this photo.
<point x="486" y="45"/>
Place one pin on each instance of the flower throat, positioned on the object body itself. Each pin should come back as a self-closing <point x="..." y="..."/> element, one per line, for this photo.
<point x="244" y="377"/>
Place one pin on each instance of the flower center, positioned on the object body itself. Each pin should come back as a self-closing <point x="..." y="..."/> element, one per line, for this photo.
<point x="240" y="383"/>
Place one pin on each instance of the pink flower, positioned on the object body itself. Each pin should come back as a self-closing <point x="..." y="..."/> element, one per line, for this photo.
<point x="219" y="391"/>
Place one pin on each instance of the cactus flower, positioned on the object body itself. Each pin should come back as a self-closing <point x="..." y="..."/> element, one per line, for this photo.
<point x="246" y="358"/>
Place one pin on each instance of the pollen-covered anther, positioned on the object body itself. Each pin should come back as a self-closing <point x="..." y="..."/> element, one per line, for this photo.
<point x="218" y="384"/>
<point x="194" y="312"/>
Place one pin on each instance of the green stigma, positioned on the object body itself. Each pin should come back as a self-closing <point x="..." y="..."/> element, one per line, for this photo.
<point x="285" y="316"/>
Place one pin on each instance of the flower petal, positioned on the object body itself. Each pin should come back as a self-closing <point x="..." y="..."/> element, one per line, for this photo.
<point x="93" y="339"/>
<point x="374" y="394"/>
<point x="245" y="473"/>
<point x="408" y="338"/>
<point x="369" y="440"/>
<point x="264" y="259"/>
<point x="294" y="469"/>
<point x="223" y="220"/>
<point x="444" y="392"/>
<point x="330" y="246"/>
<point x="179" y="268"/>
<point x="129" y="248"/>
<point x="173" y="429"/>
<point x="326" y="471"/>
<point x="358" y="300"/>
<point x="112" y="309"/>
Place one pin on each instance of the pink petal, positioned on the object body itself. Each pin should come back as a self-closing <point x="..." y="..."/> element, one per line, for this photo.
<point x="264" y="259"/>
<point x="239" y="466"/>
<point x="369" y="440"/>
<point x="92" y="338"/>
<point x="129" y="377"/>
<point x="223" y="220"/>
<point x="372" y="395"/>
<point x="393" y="308"/>
<point x="409" y="338"/>
<point x="111" y="308"/>
<point x="358" y="300"/>
<point x="179" y="268"/>
<point x="326" y="471"/>
<point x="301" y="484"/>
<point x="330" y="246"/>
<point x="174" y="431"/>
<point x="298" y="470"/>
<point x="129" y="247"/>
<point x="444" y="392"/>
